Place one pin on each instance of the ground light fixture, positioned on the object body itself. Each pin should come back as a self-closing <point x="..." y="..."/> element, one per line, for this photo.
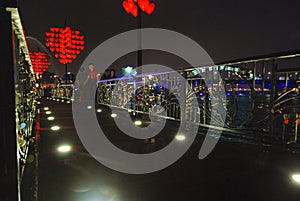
<point x="64" y="148"/>
<point x="46" y="108"/>
<point x="99" y="110"/>
<point x="48" y="112"/>
<point x="89" y="107"/>
<point x="113" y="115"/>
<point x="180" y="137"/>
<point x="51" y="118"/>
<point x="138" y="122"/>
<point x="296" y="178"/>
<point x="55" y="128"/>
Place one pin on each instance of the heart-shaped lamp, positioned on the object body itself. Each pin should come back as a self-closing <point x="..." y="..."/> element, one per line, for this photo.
<point x="143" y="4"/>
<point x="127" y="6"/>
<point x="134" y="11"/>
<point x="149" y="10"/>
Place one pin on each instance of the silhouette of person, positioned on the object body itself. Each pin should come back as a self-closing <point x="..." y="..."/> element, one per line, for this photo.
<point x="91" y="82"/>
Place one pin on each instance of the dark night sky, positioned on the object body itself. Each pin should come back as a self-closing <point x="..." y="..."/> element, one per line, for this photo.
<point x="227" y="29"/>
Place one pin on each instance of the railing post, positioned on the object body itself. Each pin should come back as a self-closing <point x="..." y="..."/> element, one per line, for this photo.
<point x="263" y="79"/>
<point x="297" y="122"/>
<point x="273" y="95"/>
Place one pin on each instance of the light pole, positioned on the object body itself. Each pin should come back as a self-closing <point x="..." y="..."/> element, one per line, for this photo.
<point x="132" y="7"/>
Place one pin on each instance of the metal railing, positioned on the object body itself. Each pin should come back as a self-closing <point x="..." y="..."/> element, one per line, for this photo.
<point x="259" y="96"/>
<point x="64" y="92"/>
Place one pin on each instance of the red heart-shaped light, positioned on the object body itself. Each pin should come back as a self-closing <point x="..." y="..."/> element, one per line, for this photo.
<point x="127" y="6"/>
<point x="134" y="11"/>
<point x="149" y="10"/>
<point x="143" y="4"/>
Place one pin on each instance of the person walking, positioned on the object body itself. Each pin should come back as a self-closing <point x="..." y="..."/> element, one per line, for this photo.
<point x="82" y="76"/>
<point x="91" y="82"/>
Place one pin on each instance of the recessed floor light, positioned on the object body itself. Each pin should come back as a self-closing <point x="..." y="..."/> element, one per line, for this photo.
<point x="64" y="148"/>
<point x="55" y="128"/>
<point x="50" y="118"/>
<point x="180" y="137"/>
<point x="138" y="123"/>
<point x="296" y="178"/>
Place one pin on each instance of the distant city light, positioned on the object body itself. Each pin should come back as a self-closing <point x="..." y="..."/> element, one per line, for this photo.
<point x="129" y="71"/>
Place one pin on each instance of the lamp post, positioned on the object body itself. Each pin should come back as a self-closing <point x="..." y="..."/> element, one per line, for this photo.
<point x="132" y="7"/>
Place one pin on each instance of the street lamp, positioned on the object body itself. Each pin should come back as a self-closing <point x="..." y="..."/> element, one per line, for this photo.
<point x="131" y="6"/>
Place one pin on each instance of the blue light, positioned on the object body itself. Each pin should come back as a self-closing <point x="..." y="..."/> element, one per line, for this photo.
<point x="23" y="125"/>
<point x="242" y="82"/>
<point x="268" y="84"/>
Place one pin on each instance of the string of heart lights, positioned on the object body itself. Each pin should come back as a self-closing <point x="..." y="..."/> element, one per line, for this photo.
<point x="131" y="6"/>
<point x="40" y="62"/>
<point x="66" y="43"/>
